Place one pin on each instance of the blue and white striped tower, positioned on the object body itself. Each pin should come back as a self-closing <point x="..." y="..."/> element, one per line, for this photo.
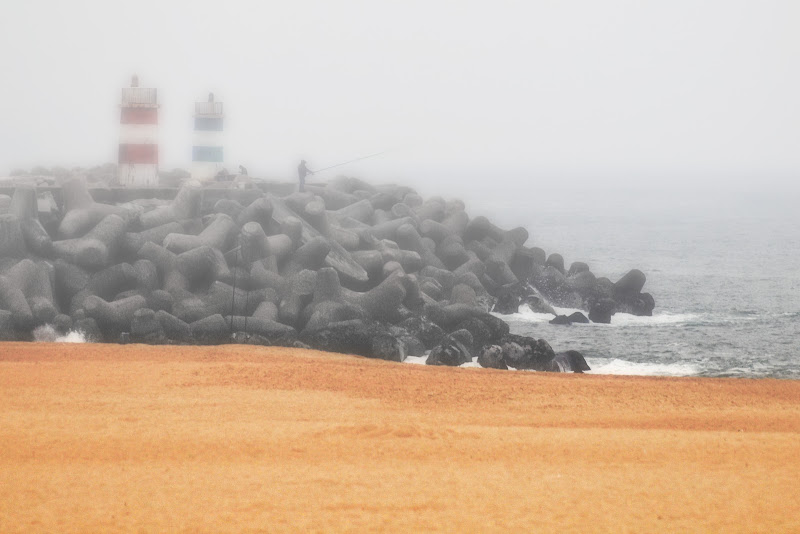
<point x="207" y="154"/>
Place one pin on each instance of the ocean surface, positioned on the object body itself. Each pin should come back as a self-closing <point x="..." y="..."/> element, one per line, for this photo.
<point x="724" y="268"/>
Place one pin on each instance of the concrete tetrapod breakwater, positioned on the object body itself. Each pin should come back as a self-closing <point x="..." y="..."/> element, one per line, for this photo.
<point x="374" y="270"/>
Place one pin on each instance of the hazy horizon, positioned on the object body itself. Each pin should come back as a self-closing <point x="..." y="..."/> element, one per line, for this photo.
<point x="503" y="95"/>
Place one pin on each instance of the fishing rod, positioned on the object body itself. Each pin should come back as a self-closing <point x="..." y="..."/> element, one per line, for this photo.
<point x="243" y="252"/>
<point x="233" y="294"/>
<point x="351" y="161"/>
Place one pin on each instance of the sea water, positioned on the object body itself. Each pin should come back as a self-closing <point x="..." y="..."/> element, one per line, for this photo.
<point x="723" y="268"/>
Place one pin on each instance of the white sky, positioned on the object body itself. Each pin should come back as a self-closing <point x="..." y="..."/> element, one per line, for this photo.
<point x="499" y="93"/>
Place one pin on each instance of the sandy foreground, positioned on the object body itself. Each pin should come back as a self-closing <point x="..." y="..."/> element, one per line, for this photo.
<point x="234" y="438"/>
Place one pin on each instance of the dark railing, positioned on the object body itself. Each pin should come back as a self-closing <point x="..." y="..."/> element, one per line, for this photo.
<point x="139" y="96"/>
<point x="208" y="108"/>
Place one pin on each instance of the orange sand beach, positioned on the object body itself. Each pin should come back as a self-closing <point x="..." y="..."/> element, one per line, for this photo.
<point x="234" y="438"/>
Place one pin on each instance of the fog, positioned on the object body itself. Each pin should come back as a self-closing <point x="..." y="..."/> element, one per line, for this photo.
<point x="488" y="96"/>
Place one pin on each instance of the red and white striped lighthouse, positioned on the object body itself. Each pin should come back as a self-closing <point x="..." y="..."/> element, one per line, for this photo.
<point x="138" y="137"/>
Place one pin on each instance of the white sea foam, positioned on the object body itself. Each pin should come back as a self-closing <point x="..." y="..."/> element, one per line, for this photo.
<point x="525" y="315"/>
<point x="420" y="360"/>
<point x="569" y="311"/>
<point x="44" y="333"/>
<point x="626" y="319"/>
<point x="603" y="366"/>
<point x="73" y="336"/>
<point x="615" y="366"/>
<point x="47" y="333"/>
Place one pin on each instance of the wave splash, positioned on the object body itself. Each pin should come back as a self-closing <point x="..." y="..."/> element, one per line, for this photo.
<point x="615" y="366"/>
<point x="48" y="334"/>
<point x="526" y="315"/>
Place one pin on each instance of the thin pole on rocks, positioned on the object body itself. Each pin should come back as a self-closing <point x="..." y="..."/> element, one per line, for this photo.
<point x="246" y="294"/>
<point x="233" y="294"/>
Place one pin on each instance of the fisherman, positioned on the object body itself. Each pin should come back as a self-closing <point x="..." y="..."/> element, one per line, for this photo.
<point x="242" y="170"/>
<point x="302" y="172"/>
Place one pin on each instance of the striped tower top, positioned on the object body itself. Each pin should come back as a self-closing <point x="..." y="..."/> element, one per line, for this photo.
<point x="207" y="151"/>
<point x="138" y="143"/>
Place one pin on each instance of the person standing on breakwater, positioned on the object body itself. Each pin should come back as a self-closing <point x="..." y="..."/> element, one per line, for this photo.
<point x="302" y="172"/>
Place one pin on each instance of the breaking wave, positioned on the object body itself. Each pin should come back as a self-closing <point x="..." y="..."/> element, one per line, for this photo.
<point x="73" y="336"/>
<point x="48" y="334"/>
<point x="604" y="366"/>
<point x="525" y="314"/>
<point x="615" y="366"/>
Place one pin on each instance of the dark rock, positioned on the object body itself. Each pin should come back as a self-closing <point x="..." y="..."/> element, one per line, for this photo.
<point x="429" y="333"/>
<point x="479" y="330"/>
<point x="577" y="267"/>
<point x="568" y="361"/>
<point x="62" y="323"/>
<point x="522" y="263"/>
<point x="556" y="261"/>
<point x="514" y="355"/>
<point x="500" y="272"/>
<point x="7" y="331"/>
<point x="578" y="317"/>
<point x="328" y="312"/>
<point x="448" y="317"/>
<point x="431" y="288"/>
<point x="450" y="352"/>
<point x="388" y="347"/>
<point x="246" y="338"/>
<point x="507" y="303"/>
<point x="490" y="284"/>
<point x="603" y="288"/>
<point x="491" y="357"/>
<point x="561" y="319"/>
<point x="463" y="294"/>
<point x="640" y="304"/>
<point x="465" y="338"/>
<point x="538" y="254"/>
<point x="551" y="282"/>
<point x="497" y="327"/>
<point x="160" y="300"/>
<point x="485" y="302"/>
<point x="537" y="353"/>
<point x="413" y="346"/>
<point x="537" y="304"/>
<point x="145" y="327"/>
<point x="582" y="283"/>
<point x="273" y="332"/>
<point x="601" y="310"/>
<point x="211" y="330"/>
<point x="116" y="316"/>
<point x="174" y="328"/>
<point x="630" y="284"/>
<point x="361" y="338"/>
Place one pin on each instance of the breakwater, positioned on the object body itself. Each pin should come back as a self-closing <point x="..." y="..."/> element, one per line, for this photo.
<point x="353" y="267"/>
